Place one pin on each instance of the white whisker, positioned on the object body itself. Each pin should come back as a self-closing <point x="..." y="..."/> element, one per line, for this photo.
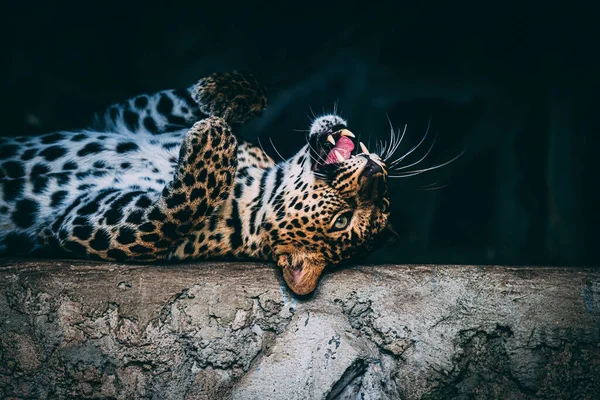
<point x="385" y="148"/>
<point x="394" y="148"/>
<point x="405" y="175"/>
<point x="392" y="166"/>
<point x="312" y="112"/>
<point x="278" y="153"/>
<point x="415" y="147"/>
<point x="420" y="171"/>
<point x="432" y="188"/>
<point x="263" y="149"/>
<point x="316" y="153"/>
<point x="428" y="185"/>
<point x="384" y="154"/>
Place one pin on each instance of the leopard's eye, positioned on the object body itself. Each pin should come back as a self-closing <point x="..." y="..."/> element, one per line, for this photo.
<point x="342" y="221"/>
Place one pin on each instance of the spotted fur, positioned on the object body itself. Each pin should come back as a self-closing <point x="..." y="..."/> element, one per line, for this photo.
<point x="139" y="184"/>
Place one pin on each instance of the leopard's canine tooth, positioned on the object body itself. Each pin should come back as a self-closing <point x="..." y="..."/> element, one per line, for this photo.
<point x="364" y="148"/>
<point x="339" y="157"/>
<point x="346" y="132"/>
<point x="331" y="140"/>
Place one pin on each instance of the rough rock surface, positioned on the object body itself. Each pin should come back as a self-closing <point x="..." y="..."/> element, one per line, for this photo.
<point x="231" y="330"/>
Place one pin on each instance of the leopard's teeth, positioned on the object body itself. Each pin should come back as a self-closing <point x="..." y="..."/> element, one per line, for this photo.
<point x="339" y="157"/>
<point x="364" y="148"/>
<point x="346" y="132"/>
<point x="331" y="140"/>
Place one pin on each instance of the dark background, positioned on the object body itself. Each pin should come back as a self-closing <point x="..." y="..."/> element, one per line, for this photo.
<point x="514" y="85"/>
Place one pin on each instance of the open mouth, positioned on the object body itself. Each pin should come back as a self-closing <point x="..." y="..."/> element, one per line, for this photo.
<point x="335" y="146"/>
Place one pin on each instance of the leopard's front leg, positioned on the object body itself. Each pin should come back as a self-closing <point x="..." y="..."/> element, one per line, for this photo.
<point x="117" y="225"/>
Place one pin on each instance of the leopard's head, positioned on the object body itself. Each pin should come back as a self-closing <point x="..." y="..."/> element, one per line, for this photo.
<point x="332" y="204"/>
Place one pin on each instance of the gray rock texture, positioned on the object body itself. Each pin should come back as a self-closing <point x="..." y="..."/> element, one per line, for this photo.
<point x="85" y="330"/>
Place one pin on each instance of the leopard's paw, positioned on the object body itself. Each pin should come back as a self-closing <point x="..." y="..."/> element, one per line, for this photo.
<point x="233" y="96"/>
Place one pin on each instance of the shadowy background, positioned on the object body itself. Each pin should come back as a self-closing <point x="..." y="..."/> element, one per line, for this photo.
<point x="511" y="84"/>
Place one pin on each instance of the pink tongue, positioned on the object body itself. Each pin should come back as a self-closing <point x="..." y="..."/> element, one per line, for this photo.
<point x="344" y="147"/>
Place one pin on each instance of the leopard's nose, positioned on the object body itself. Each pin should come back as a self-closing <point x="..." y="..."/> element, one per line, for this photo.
<point x="372" y="168"/>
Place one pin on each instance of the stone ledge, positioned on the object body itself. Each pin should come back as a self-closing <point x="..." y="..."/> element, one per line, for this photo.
<point x="72" y="329"/>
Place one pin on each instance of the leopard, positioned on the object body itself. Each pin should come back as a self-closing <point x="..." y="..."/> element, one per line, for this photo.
<point x="164" y="177"/>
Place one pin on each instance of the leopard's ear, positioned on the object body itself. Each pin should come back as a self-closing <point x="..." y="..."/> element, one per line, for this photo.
<point x="388" y="237"/>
